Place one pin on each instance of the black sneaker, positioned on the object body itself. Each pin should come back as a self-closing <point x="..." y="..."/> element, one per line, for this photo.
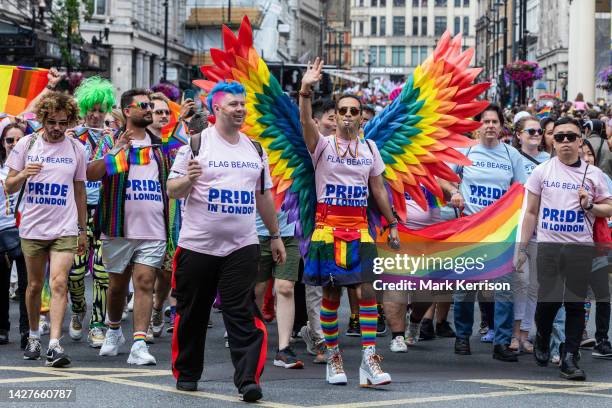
<point x="427" y="330"/>
<point x="32" y="350"/>
<point x="24" y="340"/>
<point x="187" y="385"/>
<point x="502" y="352"/>
<point x="462" y="346"/>
<point x="56" y="357"/>
<point x="3" y="336"/>
<point x="250" y="393"/>
<point x="570" y="369"/>
<point x="444" y="330"/>
<point x="381" y="325"/>
<point x="541" y="350"/>
<point x="353" y="330"/>
<point x="286" y="358"/>
<point x="587" y="342"/>
<point x="603" y="350"/>
<point x="484" y="327"/>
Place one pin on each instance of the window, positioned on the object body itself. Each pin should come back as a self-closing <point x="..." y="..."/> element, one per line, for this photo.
<point x="414" y="56"/>
<point x="457" y="29"/>
<point x="361" y="28"/>
<point x="374" y="3"/>
<point x="457" y="3"/>
<point x="373" y="29"/>
<point x="466" y="25"/>
<point x="382" y="55"/>
<point x="415" y="3"/>
<point x="423" y="3"/>
<point x="424" y="26"/>
<point x="399" y="25"/>
<point x="360" y="3"/>
<point x="415" y="26"/>
<point x="361" y="58"/>
<point x="399" y="3"/>
<point x="383" y="26"/>
<point x="440" y="3"/>
<point x="99" y="7"/>
<point x="373" y="55"/>
<point x="398" y="56"/>
<point x="439" y="25"/>
<point x="423" y="54"/>
<point x="383" y="3"/>
<point x="466" y="3"/>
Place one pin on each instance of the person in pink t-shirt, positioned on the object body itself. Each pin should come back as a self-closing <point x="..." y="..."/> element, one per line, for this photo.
<point x="225" y="179"/>
<point x="132" y="218"/>
<point x="346" y="167"/>
<point x="564" y="196"/>
<point x="49" y="168"/>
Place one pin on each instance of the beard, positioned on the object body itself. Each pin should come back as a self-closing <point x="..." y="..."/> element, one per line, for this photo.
<point x="142" y="122"/>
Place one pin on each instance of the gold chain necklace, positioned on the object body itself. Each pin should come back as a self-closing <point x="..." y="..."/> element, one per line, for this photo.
<point x="348" y="148"/>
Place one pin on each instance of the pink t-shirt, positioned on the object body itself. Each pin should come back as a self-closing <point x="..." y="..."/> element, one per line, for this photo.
<point x="144" y="201"/>
<point x="561" y="219"/>
<point x="344" y="180"/>
<point x="220" y="211"/>
<point x="49" y="207"/>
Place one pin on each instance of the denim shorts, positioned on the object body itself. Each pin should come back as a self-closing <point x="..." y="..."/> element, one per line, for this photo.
<point x="118" y="253"/>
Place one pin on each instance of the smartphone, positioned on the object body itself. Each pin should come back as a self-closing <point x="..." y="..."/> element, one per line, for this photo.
<point x="189" y="94"/>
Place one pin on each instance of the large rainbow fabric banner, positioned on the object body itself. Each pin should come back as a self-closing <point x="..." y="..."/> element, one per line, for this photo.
<point x="18" y="86"/>
<point x="476" y="247"/>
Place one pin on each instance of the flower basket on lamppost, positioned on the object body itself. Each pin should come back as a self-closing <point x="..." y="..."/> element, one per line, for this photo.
<point x="604" y="79"/>
<point x="522" y="74"/>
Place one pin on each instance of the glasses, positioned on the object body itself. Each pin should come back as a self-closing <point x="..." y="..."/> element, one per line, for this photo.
<point x="354" y="111"/>
<point x="110" y="123"/>
<point x="9" y="140"/>
<point x="571" y="137"/>
<point x="162" y="112"/>
<point x="533" y="132"/>
<point x="142" y="105"/>
<point x="60" y="123"/>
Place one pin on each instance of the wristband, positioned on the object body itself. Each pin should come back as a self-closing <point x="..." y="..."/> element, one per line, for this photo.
<point x="589" y="207"/>
<point x="306" y="95"/>
<point x="274" y="237"/>
<point x="81" y="229"/>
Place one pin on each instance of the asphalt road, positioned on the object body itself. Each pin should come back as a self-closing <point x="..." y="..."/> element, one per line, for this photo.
<point x="430" y="374"/>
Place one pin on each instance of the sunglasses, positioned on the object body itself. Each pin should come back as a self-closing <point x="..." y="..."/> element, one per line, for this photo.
<point x="571" y="137"/>
<point x="533" y="132"/>
<point x="142" y="105"/>
<point x="109" y="123"/>
<point x="162" y="112"/>
<point x="9" y="140"/>
<point x="354" y="111"/>
<point x="60" y="123"/>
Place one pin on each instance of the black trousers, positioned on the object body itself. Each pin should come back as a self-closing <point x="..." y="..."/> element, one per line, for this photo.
<point x="6" y="261"/>
<point x="564" y="271"/>
<point x="601" y="289"/>
<point x="195" y="281"/>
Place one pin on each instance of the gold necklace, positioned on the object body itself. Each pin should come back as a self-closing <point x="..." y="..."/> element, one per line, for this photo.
<point x="348" y="148"/>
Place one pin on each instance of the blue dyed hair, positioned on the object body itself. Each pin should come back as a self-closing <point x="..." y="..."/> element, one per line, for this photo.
<point x="233" y="88"/>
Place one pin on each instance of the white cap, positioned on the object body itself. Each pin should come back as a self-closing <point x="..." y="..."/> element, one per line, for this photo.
<point x="519" y="116"/>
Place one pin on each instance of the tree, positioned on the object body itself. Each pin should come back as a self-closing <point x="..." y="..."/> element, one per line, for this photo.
<point x="65" y="27"/>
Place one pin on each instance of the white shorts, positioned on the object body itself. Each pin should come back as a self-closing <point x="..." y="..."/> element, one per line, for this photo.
<point x="118" y="253"/>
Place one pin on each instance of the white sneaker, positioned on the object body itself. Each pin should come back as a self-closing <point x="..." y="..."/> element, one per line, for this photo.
<point x="140" y="355"/>
<point x="44" y="326"/>
<point x="334" y="373"/>
<point x="370" y="373"/>
<point x="157" y="323"/>
<point x="398" y="345"/>
<point x="412" y="334"/>
<point x="130" y="304"/>
<point x="150" y="337"/>
<point x="96" y="337"/>
<point x="309" y="340"/>
<point x="112" y="341"/>
<point x="76" y="326"/>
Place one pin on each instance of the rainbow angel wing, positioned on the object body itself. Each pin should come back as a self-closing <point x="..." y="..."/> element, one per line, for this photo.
<point x="272" y="120"/>
<point x="417" y="132"/>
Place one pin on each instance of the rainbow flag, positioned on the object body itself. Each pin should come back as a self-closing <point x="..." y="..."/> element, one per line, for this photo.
<point x="487" y="238"/>
<point x="19" y="86"/>
<point x="544" y="112"/>
<point x="174" y="137"/>
<point x="81" y="133"/>
<point x="140" y="156"/>
<point x="117" y="163"/>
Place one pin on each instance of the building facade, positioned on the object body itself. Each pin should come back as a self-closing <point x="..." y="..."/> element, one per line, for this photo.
<point x="553" y="44"/>
<point x="391" y="37"/>
<point x="136" y="41"/>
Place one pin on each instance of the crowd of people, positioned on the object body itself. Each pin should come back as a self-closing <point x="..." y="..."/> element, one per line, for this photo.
<point x="182" y="227"/>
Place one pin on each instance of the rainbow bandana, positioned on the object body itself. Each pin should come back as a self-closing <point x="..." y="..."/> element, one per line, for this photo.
<point x="341" y="249"/>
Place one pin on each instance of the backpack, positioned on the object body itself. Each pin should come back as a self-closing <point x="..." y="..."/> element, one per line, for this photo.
<point x="195" y="150"/>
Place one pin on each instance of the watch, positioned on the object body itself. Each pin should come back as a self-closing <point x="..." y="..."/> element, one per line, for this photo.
<point x="274" y="237"/>
<point x="589" y="207"/>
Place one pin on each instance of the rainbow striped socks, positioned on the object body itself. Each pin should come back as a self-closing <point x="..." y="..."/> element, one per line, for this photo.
<point x="141" y="336"/>
<point x="368" y="317"/>
<point x="329" y="322"/>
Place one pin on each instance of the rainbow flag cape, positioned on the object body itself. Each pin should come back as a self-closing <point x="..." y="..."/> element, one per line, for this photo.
<point x="18" y="86"/>
<point x="117" y="163"/>
<point x="487" y="238"/>
<point x="543" y="113"/>
<point x="140" y="155"/>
